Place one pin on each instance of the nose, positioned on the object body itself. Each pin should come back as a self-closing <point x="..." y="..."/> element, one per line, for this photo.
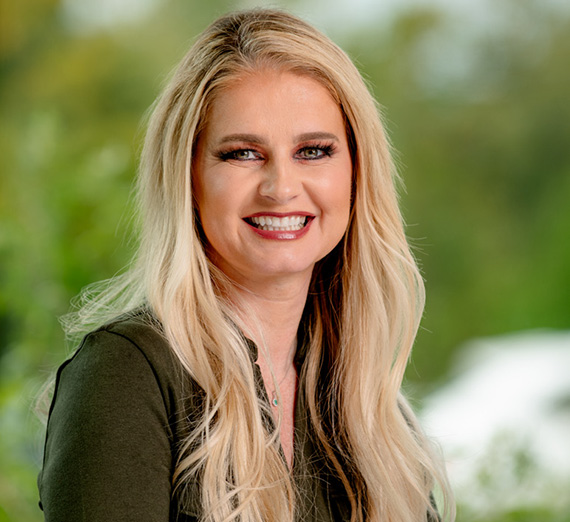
<point x="280" y="182"/>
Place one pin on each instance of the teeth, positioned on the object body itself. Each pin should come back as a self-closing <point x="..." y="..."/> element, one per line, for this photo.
<point x="276" y="223"/>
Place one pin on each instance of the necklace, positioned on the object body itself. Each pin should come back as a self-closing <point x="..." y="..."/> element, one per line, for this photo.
<point x="274" y="400"/>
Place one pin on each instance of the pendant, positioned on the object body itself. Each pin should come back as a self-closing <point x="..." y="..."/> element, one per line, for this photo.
<point x="274" y="399"/>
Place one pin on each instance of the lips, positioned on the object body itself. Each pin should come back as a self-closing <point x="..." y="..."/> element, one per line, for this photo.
<point x="276" y="223"/>
<point x="280" y="226"/>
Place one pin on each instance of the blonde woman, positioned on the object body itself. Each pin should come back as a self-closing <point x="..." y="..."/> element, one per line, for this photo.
<point x="250" y="363"/>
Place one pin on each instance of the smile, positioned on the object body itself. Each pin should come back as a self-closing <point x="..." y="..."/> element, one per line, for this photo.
<point x="280" y="224"/>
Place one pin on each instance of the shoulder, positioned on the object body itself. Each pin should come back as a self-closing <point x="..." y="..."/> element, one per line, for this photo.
<point x="116" y="419"/>
<point x="122" y="361"/>
<point x="134" y="335"/>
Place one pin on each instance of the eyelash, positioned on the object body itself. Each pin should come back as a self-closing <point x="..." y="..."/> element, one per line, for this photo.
<point x="327" y="150"/>
<point x="228" y="155"/>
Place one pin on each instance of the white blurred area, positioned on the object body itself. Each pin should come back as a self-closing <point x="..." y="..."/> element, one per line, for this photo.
<point x="87" y="16"/>
<point x="503" y="421"/>
<point x="340" y="16"/>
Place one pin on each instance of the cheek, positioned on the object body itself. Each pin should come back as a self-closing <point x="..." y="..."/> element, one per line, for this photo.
<point x="221" y="191"/>
<point x="210" y="198"/>
<point x="344" y="198"/>
<point x="341" y="191"/>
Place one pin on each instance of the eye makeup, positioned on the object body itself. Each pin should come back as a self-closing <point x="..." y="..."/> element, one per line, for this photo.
<point x="307" y="152"/>
<point x="316" y="151"/>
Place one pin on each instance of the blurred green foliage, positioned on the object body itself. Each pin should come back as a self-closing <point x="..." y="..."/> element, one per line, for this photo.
<point x="485" y="156"/>
<point x="480" y="123"/>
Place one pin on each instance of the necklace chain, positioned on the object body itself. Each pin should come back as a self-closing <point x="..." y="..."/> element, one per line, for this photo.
<point x="274" y="400"/>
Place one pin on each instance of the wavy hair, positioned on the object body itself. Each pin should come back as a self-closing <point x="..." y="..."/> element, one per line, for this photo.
<point x="364" y="305"/>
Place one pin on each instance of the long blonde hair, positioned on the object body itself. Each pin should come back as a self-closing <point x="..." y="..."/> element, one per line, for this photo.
<point x="362" y="313"/>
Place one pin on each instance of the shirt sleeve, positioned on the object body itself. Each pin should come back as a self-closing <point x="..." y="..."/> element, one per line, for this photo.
<point x="108" y="453"/>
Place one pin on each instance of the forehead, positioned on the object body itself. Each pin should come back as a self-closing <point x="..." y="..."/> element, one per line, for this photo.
<point x="272" y="100"/>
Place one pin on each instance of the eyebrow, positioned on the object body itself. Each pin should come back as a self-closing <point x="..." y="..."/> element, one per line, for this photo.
<point x="308" y="136"/>
<point x="258" y="140"/>
<point x="249" y="138"/>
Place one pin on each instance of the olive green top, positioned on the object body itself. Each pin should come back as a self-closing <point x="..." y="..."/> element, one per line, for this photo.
<point x="119" y="413"/>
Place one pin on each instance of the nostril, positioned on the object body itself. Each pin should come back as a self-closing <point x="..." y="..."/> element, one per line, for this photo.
<point x="279" y="188"/>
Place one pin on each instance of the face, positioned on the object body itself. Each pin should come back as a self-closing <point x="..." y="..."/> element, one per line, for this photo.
<point x="272" y="176"/>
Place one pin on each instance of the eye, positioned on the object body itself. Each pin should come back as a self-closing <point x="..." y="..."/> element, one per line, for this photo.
<point x="312" y="153"/>
<point x="315" y="152"/>
<point x="240" y="155"/>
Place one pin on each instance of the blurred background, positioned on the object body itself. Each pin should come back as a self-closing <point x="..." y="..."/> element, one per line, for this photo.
<point x="476" y="98"/>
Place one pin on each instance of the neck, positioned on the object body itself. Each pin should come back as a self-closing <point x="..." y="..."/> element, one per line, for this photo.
<point x="271" y="314"/>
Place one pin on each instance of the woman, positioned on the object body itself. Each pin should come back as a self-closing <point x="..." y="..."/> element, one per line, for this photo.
<point x="256" y="373"/>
